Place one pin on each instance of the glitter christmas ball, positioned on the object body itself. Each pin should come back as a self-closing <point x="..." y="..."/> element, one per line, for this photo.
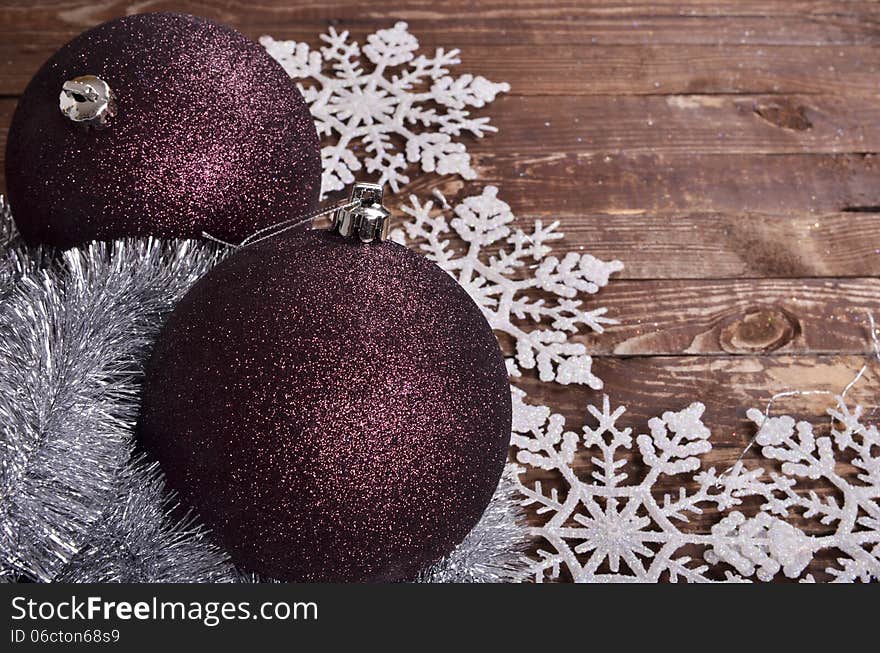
<point x="159" y="124"/>
<point x="335" y="411"/>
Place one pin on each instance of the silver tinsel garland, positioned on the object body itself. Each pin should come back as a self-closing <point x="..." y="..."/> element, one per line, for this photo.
<point x="136" y="540"/>
<point x="76" y="504"/>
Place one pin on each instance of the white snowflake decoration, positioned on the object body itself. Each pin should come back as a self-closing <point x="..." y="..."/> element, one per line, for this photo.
<point x="401" y="99"/>
<point x="607" y="530"/>
<point x="490" y="267"/>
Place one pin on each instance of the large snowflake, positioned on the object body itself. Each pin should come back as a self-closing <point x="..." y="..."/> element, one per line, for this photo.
<point x="399" y="101"/>
<point x="606" y="529"/>
<point x="501" y="267"/>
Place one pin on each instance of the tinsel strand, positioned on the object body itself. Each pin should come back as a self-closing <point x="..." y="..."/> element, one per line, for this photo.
<point x="74" y="331"/>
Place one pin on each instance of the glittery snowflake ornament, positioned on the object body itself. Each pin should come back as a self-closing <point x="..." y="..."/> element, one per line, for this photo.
<point x="602" y="527"/>
<point x="502" y="266"/>
<point x="400" y="108"/>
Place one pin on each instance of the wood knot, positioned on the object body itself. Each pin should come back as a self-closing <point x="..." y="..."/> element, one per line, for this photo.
<point x="784" y="113"/>
<point x="760" y="330"/>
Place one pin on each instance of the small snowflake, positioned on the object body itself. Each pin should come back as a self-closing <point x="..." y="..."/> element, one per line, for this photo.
<point x="608" y="530"/>
<point x="400" y="97"/>
<point x="500" y="267"/>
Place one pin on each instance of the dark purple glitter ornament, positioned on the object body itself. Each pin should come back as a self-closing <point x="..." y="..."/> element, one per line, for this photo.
<point x="208" y="134"/>
<point x="335" y="411"/>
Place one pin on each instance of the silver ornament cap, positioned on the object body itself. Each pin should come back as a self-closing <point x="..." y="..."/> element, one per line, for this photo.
<point x="367" y="220"/>
<point x="87" y="99"/>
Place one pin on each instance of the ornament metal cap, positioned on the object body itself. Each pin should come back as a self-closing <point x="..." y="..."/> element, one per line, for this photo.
<point x="87" y="99"/>
<point x="367" y="220"/>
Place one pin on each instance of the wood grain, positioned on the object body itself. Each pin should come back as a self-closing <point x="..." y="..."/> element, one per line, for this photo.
<point x="746" y="318"/>
<point x="628" y="184"/>
<point x="52" y="14"/>
<point x="47" y="29"/>
<point x="722" y="246"/>
<point x="725" y="151"/>
<point x="693" y="124"/>
<point x="601" y="69"/>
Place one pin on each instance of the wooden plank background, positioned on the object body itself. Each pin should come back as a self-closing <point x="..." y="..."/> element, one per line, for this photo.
<point x="726" y="152"/>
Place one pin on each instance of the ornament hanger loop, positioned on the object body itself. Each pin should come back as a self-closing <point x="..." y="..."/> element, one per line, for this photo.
<point x="87" y="99"/>
<point x="368" y="220"/>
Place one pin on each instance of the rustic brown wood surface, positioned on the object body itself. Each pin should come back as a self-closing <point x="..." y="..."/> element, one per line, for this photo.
<point x="726" y="152"/>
